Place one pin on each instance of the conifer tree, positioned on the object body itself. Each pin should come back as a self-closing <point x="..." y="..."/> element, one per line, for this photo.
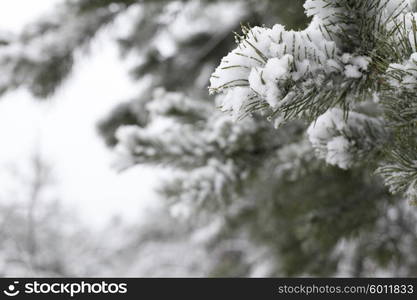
<point x="302" y="162"/>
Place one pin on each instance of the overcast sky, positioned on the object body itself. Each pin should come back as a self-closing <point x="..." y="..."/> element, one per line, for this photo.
<point x="65" y="128"/>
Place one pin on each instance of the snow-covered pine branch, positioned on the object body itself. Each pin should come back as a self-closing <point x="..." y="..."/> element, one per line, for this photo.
<point x="353" y="54"/>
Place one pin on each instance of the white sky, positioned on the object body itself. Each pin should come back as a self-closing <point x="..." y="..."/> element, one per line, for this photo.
<point x="65" y="128"/>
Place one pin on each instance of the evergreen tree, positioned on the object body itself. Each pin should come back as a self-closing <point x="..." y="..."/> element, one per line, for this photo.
<point x="307" y="168"/>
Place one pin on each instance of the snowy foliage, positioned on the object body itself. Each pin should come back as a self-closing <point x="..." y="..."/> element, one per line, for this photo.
<point x="341" y="140"/>
<point x="339" y="92"/>
<point x="213" y="155"/>
<point x="281" y="70"/>
<point x="190" y="20"/>
<point x="404" y="75"/>
<point x="350" y="53"/>
<point x="42" y="57"/>
<point x="288" y="173"/>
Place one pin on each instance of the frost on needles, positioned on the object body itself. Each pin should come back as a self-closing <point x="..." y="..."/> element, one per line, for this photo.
<point x="352" y="73"/>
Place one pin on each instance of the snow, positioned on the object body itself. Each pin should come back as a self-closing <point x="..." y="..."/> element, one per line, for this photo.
<point x="264" y="81"/>
<point x="326" y="136"/>
<point x="187" y="20"/>
<point x="338" y="152"/>
<point x="202" y="186"/>
<point x="269" y="64"/>
<point x="269" y="60"/>
<point x="405" y="73"/>
<point x="338" y="138"/>
<point x="274" y="72"/>
<point x="355" y="65"/>
<point x="352" y="71"/>
<point x="233" y="101"/>
<point x="332" y="14"/>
